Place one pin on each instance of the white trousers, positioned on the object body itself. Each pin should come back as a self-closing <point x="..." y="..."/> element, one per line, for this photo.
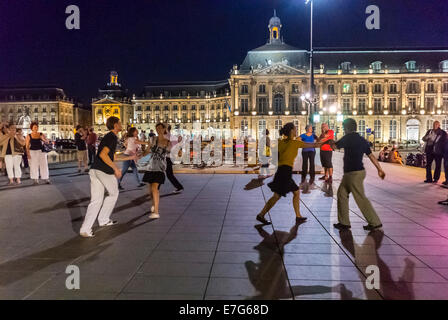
<point x="38" y="162"/>
<point x="13" y="166"/>
<point x="99" y="206"/>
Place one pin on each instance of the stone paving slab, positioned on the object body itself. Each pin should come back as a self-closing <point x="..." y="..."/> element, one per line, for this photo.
<point x="207" y="245"/>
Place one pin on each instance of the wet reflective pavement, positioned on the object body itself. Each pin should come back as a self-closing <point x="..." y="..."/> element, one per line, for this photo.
<point x="208" y="245"/>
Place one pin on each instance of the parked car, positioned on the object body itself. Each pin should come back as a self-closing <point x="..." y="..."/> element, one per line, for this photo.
<point x="65" y="144"/>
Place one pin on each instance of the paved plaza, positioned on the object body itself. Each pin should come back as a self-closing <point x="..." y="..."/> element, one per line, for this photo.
<point x="207" y="244"/>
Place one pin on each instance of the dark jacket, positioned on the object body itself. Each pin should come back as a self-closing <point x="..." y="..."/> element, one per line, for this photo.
<point x="438" y="147"/>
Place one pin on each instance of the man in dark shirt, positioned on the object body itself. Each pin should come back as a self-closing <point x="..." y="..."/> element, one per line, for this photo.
<point x="434" y="148"/>
<point x="91" y="145"/>
<point x="80" y="142"/>
<point x="355" y="147"/>
<point x="103" y="175"/>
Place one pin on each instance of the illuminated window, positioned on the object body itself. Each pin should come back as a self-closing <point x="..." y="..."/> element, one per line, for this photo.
<point x="393" y="129"/>
<point x="362" y="128"/>
<point x="377" y="129"/>
<point x="393" y="105"/>
<point x="346" y="88"/>
<point x="410" y="65"/>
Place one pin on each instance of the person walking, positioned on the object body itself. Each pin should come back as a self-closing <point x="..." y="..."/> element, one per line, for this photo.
<point x="308" y="154"/>
<point x="92" y="138"/>
<point x="283" y="183"/>
<point x="169" y="163"/>
<point x="81" y="146"/>
<point x="3" y="132"/>
<point x="155" y="170"/>
<point x="36" y="157"/>
<point x="103" y="176"/>
<point x="12" y="151"/>
<point x="132" y="144"/>
<point x="264" y="170"/>
<point x="355" y="147"/>
<point x="326" y="153"/>
<point x="434" y="146"/>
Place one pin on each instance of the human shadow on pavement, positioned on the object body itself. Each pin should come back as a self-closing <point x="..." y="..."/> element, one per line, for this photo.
<point x="389" y="288"/>
<point x="254" y="183"/>
<point x="327" y="189"/>
<point x="70" y="251"/>
<point x="269" y="276"/>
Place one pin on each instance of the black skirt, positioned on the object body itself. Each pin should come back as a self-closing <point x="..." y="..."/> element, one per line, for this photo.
<point x="283" y="182"/>
<point x="154" y="177"/>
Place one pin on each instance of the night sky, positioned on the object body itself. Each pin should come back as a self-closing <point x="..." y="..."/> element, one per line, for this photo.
<point x="172" y="40"/>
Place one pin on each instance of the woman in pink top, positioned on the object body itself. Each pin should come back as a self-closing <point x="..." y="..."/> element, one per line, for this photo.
<point x="132" y="144"/>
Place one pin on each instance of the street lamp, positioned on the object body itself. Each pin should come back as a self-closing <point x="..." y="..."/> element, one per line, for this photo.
<point x="311" y="102"/>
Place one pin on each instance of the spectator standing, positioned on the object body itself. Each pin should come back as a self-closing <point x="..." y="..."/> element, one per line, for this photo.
<point x="81" y="146"/>
<point x="308" y="154"/>
<point x="326" y="153"/>
<point x="92" y="138"/>
<point x="434" y="147"/>
<point x="12" y="151"/>
<point x="37" y="158"/>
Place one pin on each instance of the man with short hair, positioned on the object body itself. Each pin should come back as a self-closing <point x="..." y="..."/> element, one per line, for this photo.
<point x="326" y="153"/>
<point x="434" y="147"/>
<point x="103" y="176"/>
<point x="355" y="147"/>
<point x="80" y="142"/>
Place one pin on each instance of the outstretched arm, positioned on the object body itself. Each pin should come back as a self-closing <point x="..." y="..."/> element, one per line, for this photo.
<point x="375" y="162"/>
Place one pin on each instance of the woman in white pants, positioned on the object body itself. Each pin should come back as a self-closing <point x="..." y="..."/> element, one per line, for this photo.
<point x="12" y="150"/>
<point x="37" y="158"/>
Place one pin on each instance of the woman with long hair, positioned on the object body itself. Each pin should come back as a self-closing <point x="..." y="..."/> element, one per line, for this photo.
<point x="132" y="144"/>
<point x="155" y="170"/>
<point x="37" y="158"/>
<point x="283" y="183"/>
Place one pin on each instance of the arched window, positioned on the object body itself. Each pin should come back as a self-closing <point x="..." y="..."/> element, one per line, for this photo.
<point x="393" y="129"/>
<point x="444" y="65"/>
<point x="362" y="128"/>
<point x="410" y="65"/>
<point x="377" y="129"/>
<point x="376" y="65"/>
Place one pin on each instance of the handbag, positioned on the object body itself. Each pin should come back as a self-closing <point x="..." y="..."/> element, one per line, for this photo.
<point x="46" y="148"/>
<point x="18" y="148"/>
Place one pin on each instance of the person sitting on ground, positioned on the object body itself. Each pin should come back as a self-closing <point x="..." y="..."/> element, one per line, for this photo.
<point x="383" y="154"/>
<point x="283" y="183"/>
<point x="394" y="156"/>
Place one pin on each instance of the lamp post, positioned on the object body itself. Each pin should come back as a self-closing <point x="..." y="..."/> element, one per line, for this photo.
<point x="311" y="101"/>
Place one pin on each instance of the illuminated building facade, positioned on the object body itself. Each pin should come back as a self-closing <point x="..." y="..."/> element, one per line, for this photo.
<point x="49" y="106"/>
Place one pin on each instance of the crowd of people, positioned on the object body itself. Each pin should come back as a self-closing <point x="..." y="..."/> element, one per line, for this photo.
<point x="392" y="155"/>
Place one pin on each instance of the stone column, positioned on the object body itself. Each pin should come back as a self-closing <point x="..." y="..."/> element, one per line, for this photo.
<point x="422" y="94"/>
<point x="236" y="95"/>
<point x="253" y="83"/>
<point x="370" y="83"/>
<point x="270" y="94"/>
<point x="386" y="95"/>
<point x="339" y="94"/>
<point x="355" y="88"/>
<point x="287" y="95"/>
<point x="439" y="94"/>
<point x="403" y="95"/>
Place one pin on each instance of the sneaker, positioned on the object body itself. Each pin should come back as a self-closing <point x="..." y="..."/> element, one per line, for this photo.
<point x="120" y="187"/>
<point x="152" y="208"/>
<point x="47" y="182"/>
<point x="87" y="234"/>
<point x="369" y="227"/>
<point x="427" y="181"/>
<point x="177" y="191"/>
<point x="154" y="216"/>
<point x="341" y="226"/>
<point x="79" y="170"/>
<point x="322" y="178"/>
<point x="110" y="223"/>
<point x="141" y="185"/>
<point x="36" y="182"/>
<point x="444" y="202"/>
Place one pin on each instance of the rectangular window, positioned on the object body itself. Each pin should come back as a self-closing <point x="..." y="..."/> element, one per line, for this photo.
<point x="377" y="88"/>
<point x="346" y="105"/>
<point x="377" y="129"/>
<point x="393" y="129"/>
<point x="393" y="105"/>
<point x="362" y="88"/>
<point x="244" y="105"/>
<point x="295" y="106"/>
<point x="331" y="89"/>
<point x="377" y="105"/>
<point x="346" y="88"/>
<point x="262" y="105"/>
<point x="413" y="104"/>
<point x="244" y="89"/>
<point x="430" y="104"/>
<point x="295" y="88"/>
<point x="362" y="105"/>
<point x="413" y="87"/>
<point x="430" y="87"/>
<point x="445" y="104"/>
<point x="393" y="88"/>
<point x="262" y="88"/>
<point x="445" y="87"/>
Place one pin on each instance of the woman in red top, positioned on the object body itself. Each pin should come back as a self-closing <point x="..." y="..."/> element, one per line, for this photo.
<point x="326" y="153"/>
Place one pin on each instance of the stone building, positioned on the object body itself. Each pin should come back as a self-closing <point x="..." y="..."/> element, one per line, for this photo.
<point x="394" y="94"/>
<point x="112" y="100"/>
<point x="49" y="106"/>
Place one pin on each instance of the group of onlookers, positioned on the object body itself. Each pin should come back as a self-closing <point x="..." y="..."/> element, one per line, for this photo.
<point x="15" y="150"/>
<point x="85" y="141"/>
